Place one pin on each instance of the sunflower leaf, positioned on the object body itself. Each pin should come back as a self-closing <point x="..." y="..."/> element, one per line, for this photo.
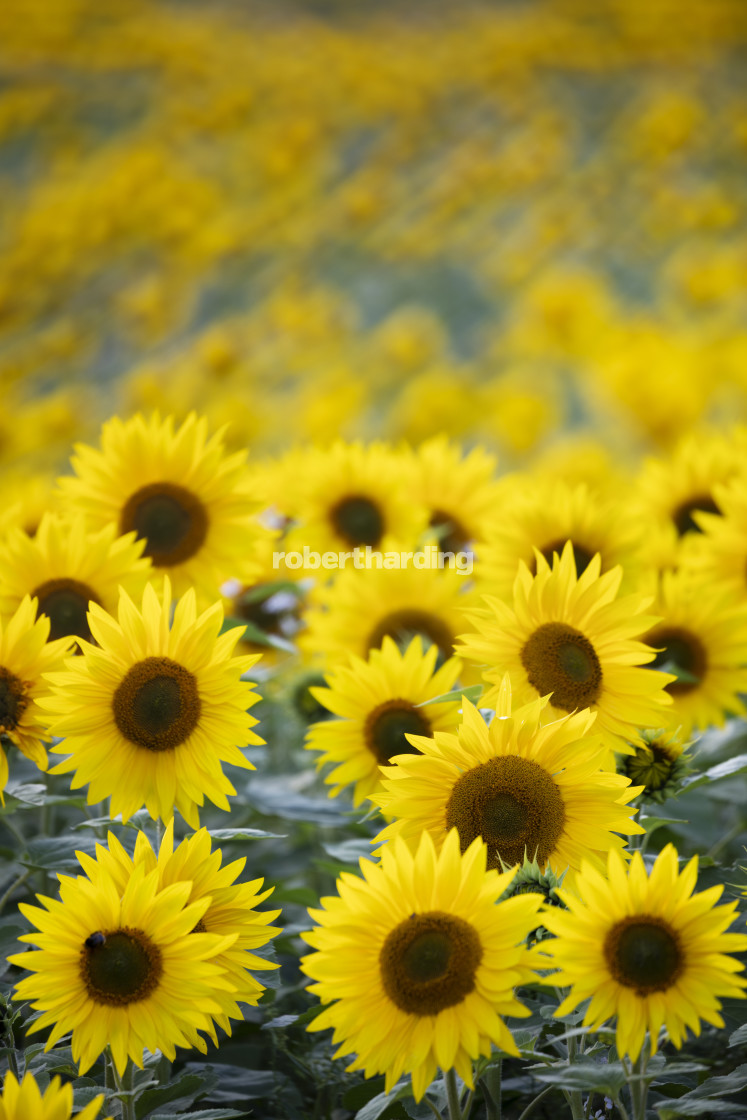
<point x="607" y="1077"/>
<point x="244" y="834"/>
<point x="697" y="1106"/>
<point x="726" y="769"/>
<point x="188" y="1087"/>
<point x="471" y="692"/>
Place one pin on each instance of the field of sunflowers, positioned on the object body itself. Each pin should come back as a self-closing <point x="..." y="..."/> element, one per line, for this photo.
<point x="373" y="559"/>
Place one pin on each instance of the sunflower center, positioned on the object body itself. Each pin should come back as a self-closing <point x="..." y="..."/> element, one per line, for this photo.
<point x="513" y="804"/>
<point x="402" y="626"/>
<point x="124" y="968"/>
<point x="387" y="725"/>
<point x="428" y="962"/>
<point x="65" y="603"/>
<point x="683" y="652"/>
<point x="157" y="705"/>
<point x="683" y="514"/>
<point x="358" y="520"/>
<point x="644" y="953"/>
<point x="558" y="659"/>
<point x="13" y="700"/>
<point x="172" y="521"/>
<point x="581" y="556"/>
<point x="455" y="538"/>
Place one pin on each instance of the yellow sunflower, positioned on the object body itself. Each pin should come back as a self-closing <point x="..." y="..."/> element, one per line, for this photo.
<point x="25" y="656"/>
<point x="148" y="715"/>
<point x="65" y="567"/>
<point x="351" y="496"/>
<point x="459" y="491"/>
<point x="33" y="497"/>
<point x="659" y="765"/>
<point x="423" y="945"/>
<point x="24" y="1101"/>
<point x="380" y="701"/>
<point x="121" y="969"/>
<point x="569" y="637"/>
<point x="702" y="638"/>
<point x="645" y="949"/>
<point x="719" y="555"/>
<point x="231" y="910"/>
<point x="544" y="513"/>
<point x="525" y="788"/>
<point x="674" y="491"/>
<point x="177" y="490"/>
<point x="356" y="612"/>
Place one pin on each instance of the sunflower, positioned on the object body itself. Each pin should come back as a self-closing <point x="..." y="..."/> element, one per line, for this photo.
<point x="65" y="567"/>
<point x="121" y="969"/>
<point x="569" y="637"/>
<point x="459" y="491"/>
<point x="675" y="491"/>
<point x="380" y="701"/>
<point x="355" y="613"/>
<point x="526" y="789"/>
<point x="177" y="490"/>
<point x="659" y="765"/>
<point x="719" y="557"/>
<point x="231" y="911"/>
<point x="421" y="961"/>
<point x="24" y="1101"/>
<point x="148" y="715"/>
<point x="351" y="496"/>
<point x="702" y="638"/>
<point x="25" y="656"/>
<point x="33" y="497"/>
<point x="543" y="514"/>
<point x="645" y="949"/>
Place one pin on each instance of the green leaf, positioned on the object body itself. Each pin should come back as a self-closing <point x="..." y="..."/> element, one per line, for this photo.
<point x="739" y="1037"/>
<point x="32" y="795"/>
<point x="350" y="851"/>
<point x="204" y="1114"/>
<point x="603" y="1077"/>
<point x="694" y="1106"/>
<point x="245" y="834"/>
<point x="58" y="853"/>
<point x="651" y="822"/>
<point x="472" y="693"/>
<point x="726" y="769"/>
<point x="188" y="1087"/>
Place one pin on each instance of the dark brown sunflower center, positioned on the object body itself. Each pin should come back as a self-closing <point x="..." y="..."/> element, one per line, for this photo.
<point x="682" y="652"/>
<point x="65" y="603"/>
<point x="13" y="700"/>
<point x="124" y="966"/>
<point x="402" y="626"/>
<point x="683" y="514"/>
<point x="172" y="521"/>
<point x="454" y="537"/>
<point x="387" y="725"/>
<point x="428" y="962"/>
<point x="643" y="953"/>
<point x="358" y="520"/>
<point x="157" y="704"/>
<point x="513" y="804"/>
<point x="581" y="555"/>
<point x="558" y="659"/>
<point x="200" y="927"/>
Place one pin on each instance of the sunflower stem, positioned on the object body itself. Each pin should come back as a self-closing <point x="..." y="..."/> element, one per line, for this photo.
<point x="13" y="887"/>
<point x="491" y="1081"/>
<point x="159" y="834"/>
<point x="638" y="1084"/>
<point x="530" y="1107"/>
<point x="452" y="1095"/>
<point x="575" y="1096"/>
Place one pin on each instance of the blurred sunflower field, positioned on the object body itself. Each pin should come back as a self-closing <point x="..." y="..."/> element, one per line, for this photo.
<point x="373" y="560"/>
